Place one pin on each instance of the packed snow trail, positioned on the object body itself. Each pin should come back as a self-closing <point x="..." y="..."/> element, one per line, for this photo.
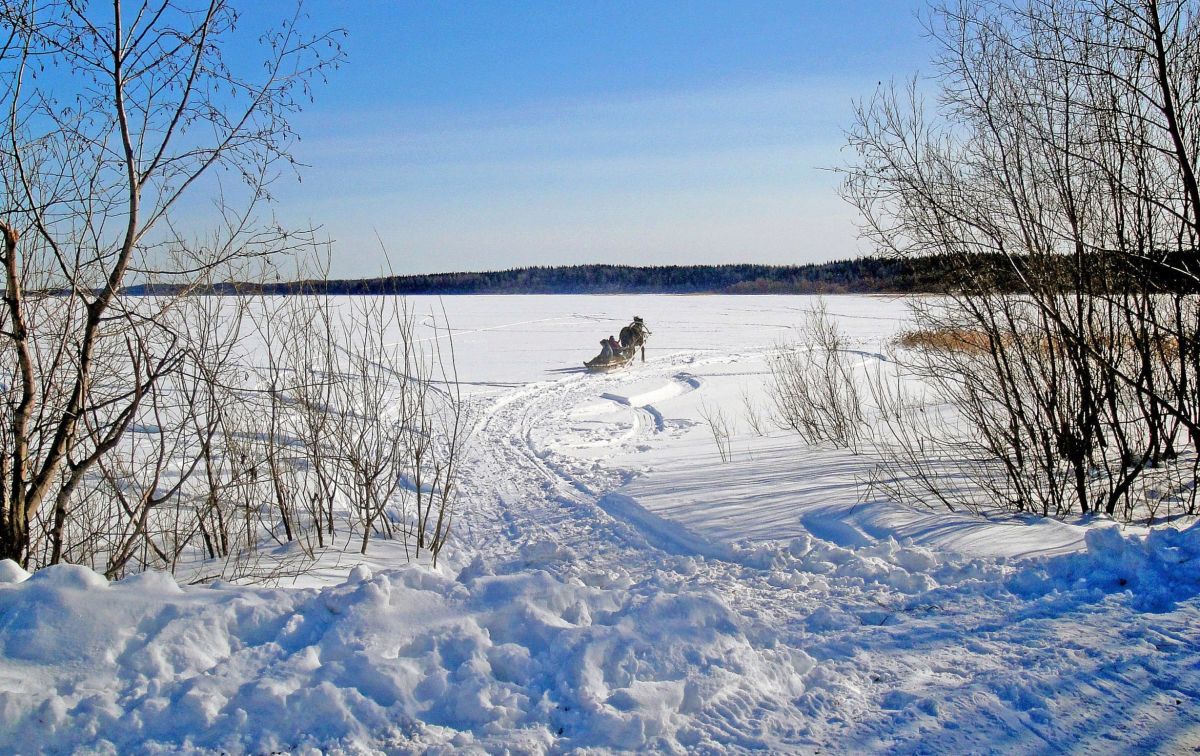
<point x="598" y="598"/>
<point x="909" y="647"/>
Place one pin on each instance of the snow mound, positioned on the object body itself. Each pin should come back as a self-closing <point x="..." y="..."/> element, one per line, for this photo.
<point x="643" y="393"/>
<point x="406" y="659"/>
<point x="662" y="533"/>
<point x="11" y="572"/>
<point x="906" y="569"/>
<point x="1158" y="569"/>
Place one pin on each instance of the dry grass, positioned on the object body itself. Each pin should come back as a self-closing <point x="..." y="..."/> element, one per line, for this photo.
<point x="946" y="340"/>
<point x="977" y="341"/>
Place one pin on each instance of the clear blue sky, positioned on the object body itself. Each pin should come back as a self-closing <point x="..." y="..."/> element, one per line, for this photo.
<point x="484" y="135"/>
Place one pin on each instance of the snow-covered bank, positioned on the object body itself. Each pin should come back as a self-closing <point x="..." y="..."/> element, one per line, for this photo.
<point x="886" y="646"/>
<point x="613" y="585"/>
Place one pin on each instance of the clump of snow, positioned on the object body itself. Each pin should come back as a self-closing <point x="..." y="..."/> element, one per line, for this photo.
<point x="1158" y="569"/>
<point x="410" y="657"/>
<point x="11" y="572"/>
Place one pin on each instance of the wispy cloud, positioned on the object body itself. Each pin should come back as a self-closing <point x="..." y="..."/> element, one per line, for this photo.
<point x="733" y="173"/>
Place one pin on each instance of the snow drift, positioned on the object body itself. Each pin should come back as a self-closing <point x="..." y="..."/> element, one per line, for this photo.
<point x="415" y="658"/>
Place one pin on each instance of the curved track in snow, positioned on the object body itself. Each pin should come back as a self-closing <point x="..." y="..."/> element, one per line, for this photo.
<point x="900" y="642"/>
<point x="553" y="511"/>
<point x="545" y="495"/>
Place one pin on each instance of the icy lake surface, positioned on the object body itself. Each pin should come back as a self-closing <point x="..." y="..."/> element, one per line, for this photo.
<point x="615" y="585"/>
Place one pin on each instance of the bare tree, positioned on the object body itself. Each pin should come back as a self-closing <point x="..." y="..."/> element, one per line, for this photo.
<point x="112" y="115"/>
<point x="814" y="389"/>
<point x="1055" y="176"/>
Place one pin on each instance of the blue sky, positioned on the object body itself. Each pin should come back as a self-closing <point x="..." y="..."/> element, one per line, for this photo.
<point x="485" y="135"/>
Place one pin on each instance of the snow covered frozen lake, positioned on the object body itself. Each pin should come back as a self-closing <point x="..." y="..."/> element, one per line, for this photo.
<point x="613" y="584"/>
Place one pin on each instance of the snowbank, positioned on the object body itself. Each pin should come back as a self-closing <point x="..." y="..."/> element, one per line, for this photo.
<point x="510" y="657"/>
<point x="407" y="658"/>
<point x="1158" y="570"/>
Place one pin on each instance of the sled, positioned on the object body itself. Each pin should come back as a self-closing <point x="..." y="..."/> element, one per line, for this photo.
<point x="616" y="362"/>
<point x="633" y="336"/>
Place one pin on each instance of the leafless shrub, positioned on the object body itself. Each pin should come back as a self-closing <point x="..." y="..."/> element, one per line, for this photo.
<point x="1055" y="181"/>
<point x="720" y="425"/>
<point x="752" y="412"/>
<point x="1002" y="429"/>
<point x="813" y="388"/>
<point x="437" y="441"/>
<point x="927" y="455"/>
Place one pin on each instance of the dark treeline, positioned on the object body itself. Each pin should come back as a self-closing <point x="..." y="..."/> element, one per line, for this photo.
<point x="859" y="276"/>
<point x="863" y="275"/>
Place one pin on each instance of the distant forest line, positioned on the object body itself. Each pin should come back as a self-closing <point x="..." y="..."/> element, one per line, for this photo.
<point x="862" y="275"/>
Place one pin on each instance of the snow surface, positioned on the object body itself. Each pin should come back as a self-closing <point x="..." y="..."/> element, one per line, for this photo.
<point x="614" y="586"/>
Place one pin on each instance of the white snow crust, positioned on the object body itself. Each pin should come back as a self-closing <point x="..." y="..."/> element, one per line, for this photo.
<point x="615" y="587"/>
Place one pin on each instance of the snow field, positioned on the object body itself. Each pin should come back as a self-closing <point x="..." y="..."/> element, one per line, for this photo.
<point x="614" y="586"/>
